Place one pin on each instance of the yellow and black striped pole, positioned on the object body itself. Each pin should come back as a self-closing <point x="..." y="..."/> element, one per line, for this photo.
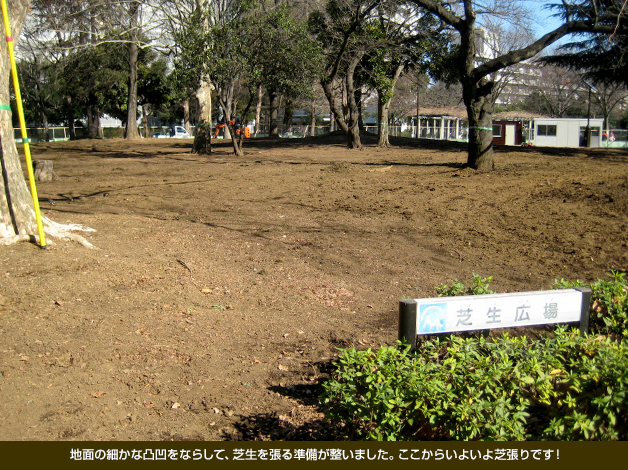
<point x="20" y="112"/>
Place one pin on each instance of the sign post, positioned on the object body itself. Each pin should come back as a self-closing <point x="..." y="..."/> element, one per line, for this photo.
<point x="482" y="312"/>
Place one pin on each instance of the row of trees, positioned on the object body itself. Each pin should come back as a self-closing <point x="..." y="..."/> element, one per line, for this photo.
<point x="115" y="55"/>
<point x="86" y="58"/>
<point x="91" y="57"/>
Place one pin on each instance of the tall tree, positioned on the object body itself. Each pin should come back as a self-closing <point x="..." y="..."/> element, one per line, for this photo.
<point x="339" y="29"/>
<point x="385" y="73"/>
<point x="411" y="43"/>
<point x="198" y="57"/>
<point x="134" y="7"/>
<point x="287" y="61"/>
<point x="362" y="38"/>
<point x="56" y="31"/>
<point x="610" y="96"/>
<point x="62" y="28"/>
<point x="17" y="213"/>
<point x="191" y="74"/>
<point x="559" y="93"/>
<point x="602" y="56"/>
<point x="475" y="76"/>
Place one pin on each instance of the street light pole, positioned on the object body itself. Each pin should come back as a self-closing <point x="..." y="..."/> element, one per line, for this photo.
<point x="588" y="129"/>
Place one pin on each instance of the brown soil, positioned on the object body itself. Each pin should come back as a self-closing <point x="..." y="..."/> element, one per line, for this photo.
<point x="221" y="287"/>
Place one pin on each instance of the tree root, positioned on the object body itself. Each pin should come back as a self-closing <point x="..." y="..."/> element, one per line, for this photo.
<point x="54" y="230"/>
<point x="62" y="231"/>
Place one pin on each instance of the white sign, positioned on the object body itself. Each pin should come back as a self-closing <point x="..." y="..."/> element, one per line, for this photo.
<point x="483" y="312"/>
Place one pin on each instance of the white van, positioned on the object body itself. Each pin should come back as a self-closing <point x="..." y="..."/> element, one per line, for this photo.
<point x="177" y="132"/>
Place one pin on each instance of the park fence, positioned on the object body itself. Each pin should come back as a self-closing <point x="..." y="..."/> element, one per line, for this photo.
<point x="615" y="138"/>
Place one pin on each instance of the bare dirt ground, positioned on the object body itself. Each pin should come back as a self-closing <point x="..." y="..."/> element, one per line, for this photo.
<point x="221" y="287"/>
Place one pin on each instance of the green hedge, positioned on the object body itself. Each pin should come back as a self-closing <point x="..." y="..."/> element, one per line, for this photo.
<point x="559" y="387"/>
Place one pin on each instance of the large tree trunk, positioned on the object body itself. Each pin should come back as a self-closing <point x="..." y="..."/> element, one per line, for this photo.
<point x="203" y="135"/>
<point x="382" y="121"/>
<point x="93" y="122"/>
<point x="477" y="94"/>
<point x="478" y="100"/>
<point x="274" y="98"/>
<point x="288" y="113"/>
<point x="258" y="109"/>
<point x="17" y="215"/>
<point x="384" y="98"/>
<point x="17" y="212"/>
<point x="351" y="124"/>
<point x="186" y="115"/>
<point x="131" y="121"/>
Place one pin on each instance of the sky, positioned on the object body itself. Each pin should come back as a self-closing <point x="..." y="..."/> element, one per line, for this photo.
<point x="543" y="23"/>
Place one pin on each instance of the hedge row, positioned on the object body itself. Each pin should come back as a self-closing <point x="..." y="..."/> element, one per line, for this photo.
<point x="559" y="387"/>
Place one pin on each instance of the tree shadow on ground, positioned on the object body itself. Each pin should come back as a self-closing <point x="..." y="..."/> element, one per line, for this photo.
<point x="305" y="422"/>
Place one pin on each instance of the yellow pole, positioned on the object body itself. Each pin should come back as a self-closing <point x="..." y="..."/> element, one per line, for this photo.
<point x="20" y="112"/>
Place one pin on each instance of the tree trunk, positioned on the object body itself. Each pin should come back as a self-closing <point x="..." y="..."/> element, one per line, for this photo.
<point x="236" y="141"/>
<point x="288" y="113"/>
<point x="186" y="116"/>
<point x="237" y="128"/>
<point x="384" y="98"/>
<point x="478" y="100"/>
<point x="17" y="214"/>
<point x="227" y="92"/>
<point x="93" y="122"/>
<point x="131" y="121"/>
<point x="382" y="121"/>
<point x="350" y="127"/>
<point x="70" y="116"/>
<point x="313" y="122"/>
<point x="203" y="135"/>
<point x="418" y="109"/>
<point x="145" y="114"/>
<point x="258" y="109"/>
<point x="351" y="124"/>
<point x="358" y="100"/>
<point x="44" y="170"/>
<point x="274" y="113"/>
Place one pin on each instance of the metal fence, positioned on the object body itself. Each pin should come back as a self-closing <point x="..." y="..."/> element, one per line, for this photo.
<point x="54" y="134"/>
<point x="616" y="138"/>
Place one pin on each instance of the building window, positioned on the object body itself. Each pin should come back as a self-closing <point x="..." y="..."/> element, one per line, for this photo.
<point x="497" y="130"/>
<point x="547" y="130"/>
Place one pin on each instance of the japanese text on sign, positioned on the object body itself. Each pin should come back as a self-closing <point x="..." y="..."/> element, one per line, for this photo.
<point x="479" y="312"/>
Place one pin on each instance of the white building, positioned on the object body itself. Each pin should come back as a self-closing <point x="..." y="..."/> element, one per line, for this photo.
<point x="564" y="132"/>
